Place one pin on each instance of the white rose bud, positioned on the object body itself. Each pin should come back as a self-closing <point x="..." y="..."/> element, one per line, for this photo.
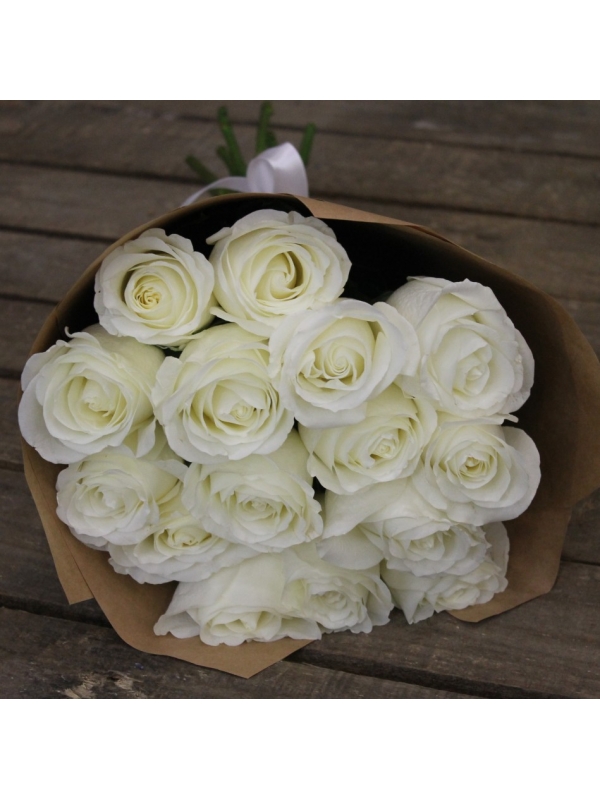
<point x="386" y="445"/>
<point x="271" y="264"/>
<point x="115" y="497"/>
<point x="478" y="472"/>
<point x="237" y="604"/>
<point x="156" y="288"/>
<point x="264" y="502"/>
<point x="338" y="599"/>
<point x="217" y="402"/>
<point x="420" y="597"/>
<point x="181" y="550"/>
<point x="89" y="393"/>
<point x="329" y="362"/>
<point x="474" y="362"/>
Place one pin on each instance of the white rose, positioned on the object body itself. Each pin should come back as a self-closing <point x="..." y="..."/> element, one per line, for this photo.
<point x="115" y="497"/>
<point x="352" y="550"/>
<point x="237" y="604"/>
<point x="478" y="472"/>
<point x="181" y="550"/>
<point x="430" y="547"/>
<point x="156" y="288"/>
<point x="386" y="445"/>
<point x="422" y="546"/>
<point x="328" y="363"/>
<point x="89" y="393"/>
<point x="338" y="599"/>
<point x="217" y="402"/>
<point x="265" y="502"/>
<point x="420" y="597"/>
<point x="393" y="522"/>
<point x="342" y="513"/>
<point x="474" y="362"/>
<point x="271" y="264"/>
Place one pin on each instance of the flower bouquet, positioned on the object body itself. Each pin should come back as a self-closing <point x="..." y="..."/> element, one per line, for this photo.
<point x="302" y="437"/>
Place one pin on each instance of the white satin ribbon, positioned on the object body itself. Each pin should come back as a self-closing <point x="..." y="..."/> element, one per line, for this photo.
<point x="278" y="169"/>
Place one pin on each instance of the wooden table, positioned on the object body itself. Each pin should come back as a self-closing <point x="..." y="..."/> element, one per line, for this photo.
<point x="516" y="182"/>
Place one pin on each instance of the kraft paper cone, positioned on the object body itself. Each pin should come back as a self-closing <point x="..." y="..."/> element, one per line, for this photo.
<point x="561" y="416"/>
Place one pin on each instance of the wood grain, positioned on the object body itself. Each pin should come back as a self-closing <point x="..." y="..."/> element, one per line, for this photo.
<point x="42" y="657"/>
<point x="43" y="267"/>
<point x="523" y="126"/>
<point x="19" y="323"/>
<point x="540" y="186"/>
<point x="549" y="646"/>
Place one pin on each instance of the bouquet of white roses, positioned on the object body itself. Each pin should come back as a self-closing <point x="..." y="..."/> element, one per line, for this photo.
<point x="268" y="412"/>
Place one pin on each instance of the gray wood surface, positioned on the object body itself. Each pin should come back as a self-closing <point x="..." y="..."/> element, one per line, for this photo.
<point x="514" y="182"/>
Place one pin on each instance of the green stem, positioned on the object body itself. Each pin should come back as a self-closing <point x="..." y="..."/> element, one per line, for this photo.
<point x="307" y="142"/>
<point x="238" y="165"/>
<point x="271" y="139"/>
<point x="266" y="111"/>
<point x="203" y="172"/>
<point x="225" y="157"/>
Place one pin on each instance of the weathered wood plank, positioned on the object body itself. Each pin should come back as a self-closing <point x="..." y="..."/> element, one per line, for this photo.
<point x="550" y="645"/>
<point x="555" y="127"/>
<point x="43" y="267"/>
<point x="41" y="657"/>
<point x="513" y="650"/>
<point x="27" y="575"/>
<point x="583" y="538"/>
<point x="75" y="203"/>
<point x="19" y="323"/>
<point x="10" y="443"/>
<point x="496" y="181"/>
<point x="560" y="258"/>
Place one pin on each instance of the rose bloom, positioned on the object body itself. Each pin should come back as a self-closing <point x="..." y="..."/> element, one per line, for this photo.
<point x="181" y="550"/>
<point x="393" y="522"/>
<point x="273" y="595"/>
<point x="385" y="446"/>
<point x="338" y="599"/>
<point x="420" y="597"/>
<point x="271" y="264"/>
<point x="411" y="537"/>
<point x="235" y="605"/>
<point x="474" y="362"/>
<point x="478" y="472"/>
<point x="89" y="393"/>
<point x="217" y="402"/>
<point x="328" y="363"/>
<point x="264" y="502"/>
<point x="115" y="497"/>
<point x="156" y="289"/>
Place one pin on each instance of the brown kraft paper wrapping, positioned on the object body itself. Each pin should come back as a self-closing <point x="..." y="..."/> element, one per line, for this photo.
<point x="561" y="416"/>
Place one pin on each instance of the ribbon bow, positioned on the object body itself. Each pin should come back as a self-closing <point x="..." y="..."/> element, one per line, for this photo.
<point x="278" y="169"/>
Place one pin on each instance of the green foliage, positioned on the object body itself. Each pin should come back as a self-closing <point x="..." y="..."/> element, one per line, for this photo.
<point x="230" y="153"/>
